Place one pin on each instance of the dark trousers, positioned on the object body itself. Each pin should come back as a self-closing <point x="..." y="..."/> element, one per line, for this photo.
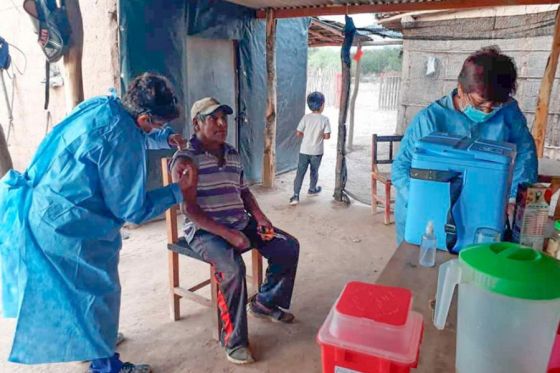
<point x="305" y="160"/>
<point x="282" y="255"/>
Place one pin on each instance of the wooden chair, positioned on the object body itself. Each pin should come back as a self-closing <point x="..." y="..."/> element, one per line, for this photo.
<point x="382" y="177"/>
<point x="178" y="245"/>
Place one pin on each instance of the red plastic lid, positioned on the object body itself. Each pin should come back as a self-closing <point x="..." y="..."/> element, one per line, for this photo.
<point x="384" y="304"/>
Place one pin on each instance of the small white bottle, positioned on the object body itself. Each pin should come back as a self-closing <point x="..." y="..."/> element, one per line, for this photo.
<point x="427" y="256"/>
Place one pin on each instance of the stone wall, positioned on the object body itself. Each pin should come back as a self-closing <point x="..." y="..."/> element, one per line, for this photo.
<point x="100" y="72"/>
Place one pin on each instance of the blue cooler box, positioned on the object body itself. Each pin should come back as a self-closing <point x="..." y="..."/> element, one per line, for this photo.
<point x="473" y="176"/>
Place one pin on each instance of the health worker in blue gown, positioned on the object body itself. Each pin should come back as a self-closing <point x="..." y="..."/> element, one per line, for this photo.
<point x="60" y="224"/>
<point x="482" y="106"/>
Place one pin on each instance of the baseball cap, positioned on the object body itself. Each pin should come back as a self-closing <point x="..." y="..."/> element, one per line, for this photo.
<point x="208" y="105"/>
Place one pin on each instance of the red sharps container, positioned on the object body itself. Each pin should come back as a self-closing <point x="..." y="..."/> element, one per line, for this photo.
<point x="371" y="329"/>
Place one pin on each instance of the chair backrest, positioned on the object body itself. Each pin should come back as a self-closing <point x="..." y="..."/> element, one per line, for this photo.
<point x="170" y="214"/>
<point x="375" y="140"/>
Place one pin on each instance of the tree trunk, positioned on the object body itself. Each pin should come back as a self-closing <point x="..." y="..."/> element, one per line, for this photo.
<point x="341" y="171"/>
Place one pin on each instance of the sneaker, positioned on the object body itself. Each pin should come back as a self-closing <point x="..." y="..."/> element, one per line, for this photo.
<point x="315" y="191"/>
<point x="274" y="314"/>
<point x="240" y="355"/>
<point x="294" y="200"/>
<point x="132" y="368"/>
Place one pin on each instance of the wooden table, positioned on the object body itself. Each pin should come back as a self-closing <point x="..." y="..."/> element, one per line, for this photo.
<point x="437" y="351"/>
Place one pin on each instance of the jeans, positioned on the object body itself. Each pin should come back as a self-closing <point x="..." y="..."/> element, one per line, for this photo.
<point x="276" y="291"/>
<point x="314" y="161"/>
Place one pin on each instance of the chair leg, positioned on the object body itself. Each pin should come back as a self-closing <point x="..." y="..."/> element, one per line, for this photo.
<point x="215" y="311"/>
<point x="257" y="270"/>
<point x="373" y="194"/>
<point x="174" y="299"/>
<point x="387" y="206"/>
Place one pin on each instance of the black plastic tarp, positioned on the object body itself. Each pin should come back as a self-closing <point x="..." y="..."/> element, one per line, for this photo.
<point x="153" y="38"/>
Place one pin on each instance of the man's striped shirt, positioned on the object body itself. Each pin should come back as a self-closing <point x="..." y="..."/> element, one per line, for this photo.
<point x="219" y="187"/>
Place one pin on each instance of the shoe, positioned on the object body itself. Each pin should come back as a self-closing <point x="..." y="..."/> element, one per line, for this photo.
<point x="132" y="368"/>
<point x="294" y="200"/>
<point x="240" y="355"/>
<point x="315" y="191"/>
<point x="274" y="314"/>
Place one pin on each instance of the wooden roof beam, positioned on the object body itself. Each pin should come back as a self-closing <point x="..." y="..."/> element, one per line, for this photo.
<point x="333" y="10"/>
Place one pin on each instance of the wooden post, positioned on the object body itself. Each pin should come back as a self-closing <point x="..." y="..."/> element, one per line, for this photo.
<point x="353" y="101"/>
<point x="5" y="159"/>
<point x="543" y="101"/>
<point x="269" y="159"/>
<point x="73" y="81"/>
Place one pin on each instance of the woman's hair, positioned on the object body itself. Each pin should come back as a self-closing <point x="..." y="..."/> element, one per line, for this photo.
<point x="489" y="73"/>
<point x="152" y="94"/>
<point x="315" y="100"/>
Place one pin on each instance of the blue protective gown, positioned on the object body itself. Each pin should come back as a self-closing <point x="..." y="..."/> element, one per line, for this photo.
<point x="507" y="125"/>
<point x="60" y="232"/>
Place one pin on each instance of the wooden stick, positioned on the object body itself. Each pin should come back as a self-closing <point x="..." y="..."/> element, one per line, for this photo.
<point x="543" y="101"/>
<point x="269" y="159"/>
<point x="74" y="86"/>
<point x="353" y="101"/>
<point x="5" y="159"/>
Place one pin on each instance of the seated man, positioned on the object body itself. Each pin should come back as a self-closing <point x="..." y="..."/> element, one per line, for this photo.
<point x="224" y="219"/>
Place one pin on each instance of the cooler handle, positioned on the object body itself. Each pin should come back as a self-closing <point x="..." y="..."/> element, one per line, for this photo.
<point x="449" y="276"/>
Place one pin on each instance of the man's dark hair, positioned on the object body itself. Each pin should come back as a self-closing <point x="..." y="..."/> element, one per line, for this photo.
<point x="152" y="94"/>
<point x="489" y="73"/>
<point x="315" y="100"/>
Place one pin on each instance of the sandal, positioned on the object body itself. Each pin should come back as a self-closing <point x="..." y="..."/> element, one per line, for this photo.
<point x="274" y="314"/>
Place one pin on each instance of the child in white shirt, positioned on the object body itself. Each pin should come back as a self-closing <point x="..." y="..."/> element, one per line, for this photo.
<point x="313" y="128"/>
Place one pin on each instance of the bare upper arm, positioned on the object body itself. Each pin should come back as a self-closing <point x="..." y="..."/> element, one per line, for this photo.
<point x="299" y="134"/>
<point x="327" y="135"/>
<point x="185" y="167"/>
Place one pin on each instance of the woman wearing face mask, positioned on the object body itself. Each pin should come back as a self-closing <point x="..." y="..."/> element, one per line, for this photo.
<point x="481" y="106"/>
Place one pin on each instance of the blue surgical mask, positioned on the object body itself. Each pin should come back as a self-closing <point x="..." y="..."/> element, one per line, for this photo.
<point x="478" y="116"/>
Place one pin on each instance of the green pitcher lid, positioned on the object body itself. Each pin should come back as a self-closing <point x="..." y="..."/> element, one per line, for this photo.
<point x="513" y="270"/>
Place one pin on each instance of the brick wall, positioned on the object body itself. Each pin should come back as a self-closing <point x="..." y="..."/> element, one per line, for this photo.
<point x="530" y="54"/>
<point x="100" y="72"/>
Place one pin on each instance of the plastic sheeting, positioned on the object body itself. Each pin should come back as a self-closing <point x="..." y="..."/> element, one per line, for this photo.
<point x="153" y="38"/>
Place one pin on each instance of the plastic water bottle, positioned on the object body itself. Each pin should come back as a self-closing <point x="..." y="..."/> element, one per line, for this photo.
<point x="428" y="247"/>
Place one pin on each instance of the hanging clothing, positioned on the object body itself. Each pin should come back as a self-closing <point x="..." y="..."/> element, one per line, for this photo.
<point x="508" y="124"/>
<point x="60" y="232"/>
